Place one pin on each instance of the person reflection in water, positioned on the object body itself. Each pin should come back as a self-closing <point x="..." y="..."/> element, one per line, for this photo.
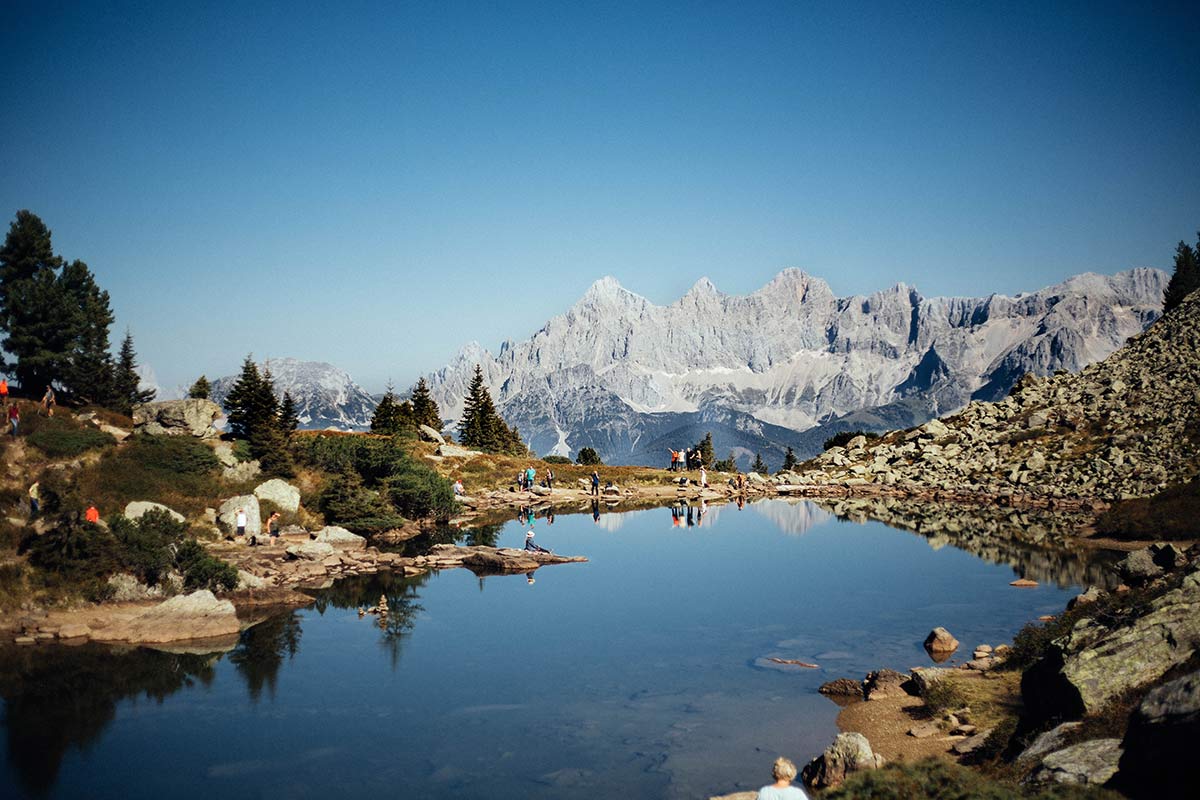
<point x="782" y="789"/>
<point x="596" y="511"/>
<point x="529" y="579"/>
<point x="533" y="546"/>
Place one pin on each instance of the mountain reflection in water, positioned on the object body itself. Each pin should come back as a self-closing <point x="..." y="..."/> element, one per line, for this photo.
<point x="669" y="691"/>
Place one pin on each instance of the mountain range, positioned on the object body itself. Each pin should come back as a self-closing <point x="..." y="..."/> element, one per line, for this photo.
<point x="787" y="365"/>
<point x="325" y="396"/>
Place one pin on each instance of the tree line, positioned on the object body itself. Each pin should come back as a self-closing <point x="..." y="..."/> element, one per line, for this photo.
<point x="55" y="320"/>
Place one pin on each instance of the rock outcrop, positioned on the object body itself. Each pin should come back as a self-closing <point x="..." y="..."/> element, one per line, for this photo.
<point x="1160" y="745"/>
<point x="849" y="753"/>
<point x="339" y="538"/>
<point x="199" y="615"/>
<point x="137" y="508"/>
<point x="285" y="496"/>
<point x="191" y="417"/>
<point x="1093" y="763"/>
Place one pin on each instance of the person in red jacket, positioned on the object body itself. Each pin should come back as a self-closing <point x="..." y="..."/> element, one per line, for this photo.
<point x="92" y="514"/>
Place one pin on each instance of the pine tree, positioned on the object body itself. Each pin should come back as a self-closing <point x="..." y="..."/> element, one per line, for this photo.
<point x="425" y="409"/>
<point x="480" y="425"/>
<point x="789" y="461"/>
<point x="587" y="456"/>
<point x="387" y="419"/>
<point x="240" y="400"/>
<point x="88" y="371"/>
<point x="1186" y="277"/>
<point x="289" y="420"/>
<point x="27" y="255"/>
<point x="126" y="393"/>
<point x="201" y="389"/>
<point x="706" y="451"/>
<point x="759" y="465"/>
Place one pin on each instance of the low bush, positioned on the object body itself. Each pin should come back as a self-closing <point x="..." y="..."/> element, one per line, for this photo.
<point x="1173" y="513"/>
<point x="556" y="460"/>
<point x="149" y="543"/>
<point x="75" y="550"/>
<point x="933" y="779"/>
<point x="348" y="503"/>
<point x="179" y="472"/>
<point x="201" y="570"/>
<point x="842" y="439"/>
<point x="418" y="492"/>
<point x="943" y="696"/>
<point x="60" y="438"/>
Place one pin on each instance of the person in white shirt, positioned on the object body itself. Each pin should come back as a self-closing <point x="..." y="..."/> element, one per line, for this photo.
<point x="782" y="789"/>
<point x="240" y="521"/>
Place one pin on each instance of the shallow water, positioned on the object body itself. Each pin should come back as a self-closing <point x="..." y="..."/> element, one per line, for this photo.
<point x="639" y="674"/>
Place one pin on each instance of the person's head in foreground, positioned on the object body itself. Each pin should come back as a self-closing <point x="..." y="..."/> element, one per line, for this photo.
<point x="784" y="770"/>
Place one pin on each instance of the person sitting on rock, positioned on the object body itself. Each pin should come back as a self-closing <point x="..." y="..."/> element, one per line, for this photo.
<point x="458" y="488"/>
<point x="533" y="546"/>
<point x="784" y="773"/>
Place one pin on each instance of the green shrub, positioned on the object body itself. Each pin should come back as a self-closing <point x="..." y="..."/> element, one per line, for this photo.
<point x="75" y="550"/>
<point x="933" y="779"/>
<point x="556" y="459"/>
<point x="179" y="472"/>
<point x="59" y="438"/>
<point x="843" y="438"/>
<point x="348" y="503"/>
<point x="944" y="695"/>
<point x="148" y="544"/>
<point x="588" y="457"/>
<point x="418" y="492"/>
<point x="1173" y="513"/>
<point x="202" y="570"/>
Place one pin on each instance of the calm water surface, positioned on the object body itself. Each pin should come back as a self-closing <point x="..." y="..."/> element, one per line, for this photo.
<point x="641" y="674"/>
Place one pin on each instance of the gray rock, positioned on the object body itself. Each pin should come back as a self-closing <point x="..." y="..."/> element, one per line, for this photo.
<point x="126" y="588"/>
<point x="1160" y="744"/>
<point x="971" y="743"/>
<point x="191" y="417"/>
<point x="1047" y="742"/>
<point x="310" y="551"/>
<point x="849" y="753"/>
<point x="199" y="615"/>
<point x="242" y="472"/>
<point x="248" y="580"/>
<point x="224" y="453"/>
<point x="227" y="514"/>
<point x="1088" y="763"/>
<point x="925" y="677"/>
<point x="1139" y="567"/>
<point x="340" y="538"/>
<point x="842" y="687"/>
<point x="884" y="683"/>
<point x="454" y="451"/>
<point x="137" y="508"/>
<point x="1093" y="594"/>
<point x="429" y="434"/>
<point x="285" y="496"/>
<point x="924" y="730"/>
<point x="1167" y="556"/>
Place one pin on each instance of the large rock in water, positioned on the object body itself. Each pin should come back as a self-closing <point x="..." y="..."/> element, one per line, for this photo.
<point x="849" y="753"/>
<point x="1093" y="664"/>
<point x="199" y="615"/>
<point x="137" y="508"/>
<point x="939" y="640"/>
<point x="227" y="514"/>
<point x="285" y="496"/>
<point x="1160" y="744"/>
<point x="191" y="417"/>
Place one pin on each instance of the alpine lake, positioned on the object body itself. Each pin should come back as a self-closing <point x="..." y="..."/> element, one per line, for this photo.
<point x="644" y="673"/>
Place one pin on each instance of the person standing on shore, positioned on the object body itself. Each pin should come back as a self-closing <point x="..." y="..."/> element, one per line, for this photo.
<point x="14" y="417"/>
<point x="35" y="499"/>
<point x="549" y="478"/>
<point x="782" y="789"/>
<point x="4" y="390"/>
<point x="240" y="522"/>
<point x="703" y="477"/>
<point x="595" y="483"/>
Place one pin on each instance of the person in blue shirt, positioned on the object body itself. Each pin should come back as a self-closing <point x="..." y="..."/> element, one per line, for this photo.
<point x="533" y="546"/>
<point x="782" y="789"/>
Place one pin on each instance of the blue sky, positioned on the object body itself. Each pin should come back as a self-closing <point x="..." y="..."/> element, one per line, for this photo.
<point x="374" y="184"/>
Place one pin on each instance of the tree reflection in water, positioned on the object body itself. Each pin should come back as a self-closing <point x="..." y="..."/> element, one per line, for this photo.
<point x="57" y="698"/>
<point x="261" y="650"/>
<point x="364" y="592"/>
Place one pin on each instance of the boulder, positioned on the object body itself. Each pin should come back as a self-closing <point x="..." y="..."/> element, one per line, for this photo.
<point x="842" y="687"/>
<point x="227" y="514"/>
<point x="1167" y="556"/>
<point x="923" y="730"/>
<point x="137" y="508"/>
<point x="1139" y="567"/>
<point x="126" y="587"/>
<point x="1160" y="743"/>
<point x="224" y="453"/>
<point x="74" y="630"/>
<point x="1093" y="594"/>
<point x="454" y="451"/>
<point x="248" y="580"/>
<point x="1088" y="763"/>
<point x="285" y="496"/>
<point x="242" y="471"/>
<point x="310" y="551"/>
<point x="1047" y="742"/>
<point x="849" y="753"/>
<point x="971" y="743"/>
<point x="939" y="640"/>
<point x="191" y="417"/>
<point x="540" y="491"/>
<point x="429" y="434"/>
<point x="925" y="677"/>
<point x="884" y="683"/>
<point x="340" y="538"/>
<point x="1092" y="664"/>
<point x="199" y="615"/>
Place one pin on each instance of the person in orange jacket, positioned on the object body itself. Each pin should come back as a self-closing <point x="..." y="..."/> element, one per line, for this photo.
<point x="92" y="514"/>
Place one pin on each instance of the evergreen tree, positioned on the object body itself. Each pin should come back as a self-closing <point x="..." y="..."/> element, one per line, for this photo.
<point x="28" y="272"/>
<point x="705" y="448"/>
<point x="240" y="400"/>
<point x="88" y="371"/>
<point x="387" y="419"/>
<point x="425" y="409"/>
<point x="759" y="465"/>
<point x="789" y="461"/>
<point x="289" y="421"/>
<point x="126" y="393"/>
<point x="587" y="456"/>
<point x="728" y="465"/>
<point x="482" y="427"/>
<point x="1186" y="277"/>
<point x="201" y="389"/>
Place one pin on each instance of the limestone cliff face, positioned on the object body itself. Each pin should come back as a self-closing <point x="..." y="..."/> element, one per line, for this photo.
<point x="1122" y="427"/>
<point x="612" y="370"/>
<point x="325" y="396"/>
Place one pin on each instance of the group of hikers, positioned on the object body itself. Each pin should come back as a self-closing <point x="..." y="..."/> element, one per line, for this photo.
<point x="12" y="411"/>
<point x="240" y="520"/>
<point x="527" y="477"/>
<point x="686" y="460"/>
